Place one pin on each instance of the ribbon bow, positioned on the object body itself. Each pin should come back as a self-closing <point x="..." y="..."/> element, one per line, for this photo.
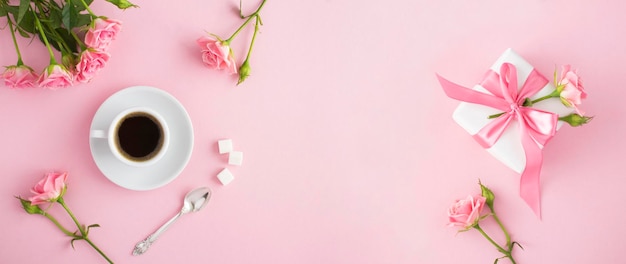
<point x="536" y="126"/>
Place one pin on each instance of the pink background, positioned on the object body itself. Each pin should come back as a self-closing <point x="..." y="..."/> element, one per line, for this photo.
<point x="350" y="151"/>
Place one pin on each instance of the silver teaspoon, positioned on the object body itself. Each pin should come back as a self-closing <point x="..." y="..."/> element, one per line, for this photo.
<point x="193" y="202"/>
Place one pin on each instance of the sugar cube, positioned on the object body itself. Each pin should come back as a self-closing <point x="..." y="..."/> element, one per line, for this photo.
<point x="225" y="145"/>
<point x="225" y="176"/>
<point x="235" y="158"/>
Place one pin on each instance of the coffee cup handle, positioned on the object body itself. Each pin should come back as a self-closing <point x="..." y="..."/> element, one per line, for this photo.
<point x="98" y="134"/>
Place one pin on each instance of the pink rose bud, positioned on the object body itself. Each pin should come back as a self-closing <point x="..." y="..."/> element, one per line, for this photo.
<point x="244" y="72"/>
<point x="572" y="91"/>
<point x="466" y="213"/>
<point x="576" y="119"/>
<point x="49" y="189"/>
<point x="91" y="61"/>
<point x="217" y="55"/>
<point x="102" y="32"/>
<point x="19" y="77"/>
<point x="55" y="76"/>
<point x="29" y="207"/>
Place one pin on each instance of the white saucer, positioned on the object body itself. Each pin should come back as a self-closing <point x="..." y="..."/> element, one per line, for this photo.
<point x="170" y="165"/>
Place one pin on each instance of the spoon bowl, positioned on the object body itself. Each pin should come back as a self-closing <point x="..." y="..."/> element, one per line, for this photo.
<point x="196" y="199"/>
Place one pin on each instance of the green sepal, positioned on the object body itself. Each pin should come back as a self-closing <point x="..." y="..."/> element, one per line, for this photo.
<point x="122" y="4"/>
<point x="74" y="239"/>
<point x="555" y="79"/>
<point x="464" y="230"/>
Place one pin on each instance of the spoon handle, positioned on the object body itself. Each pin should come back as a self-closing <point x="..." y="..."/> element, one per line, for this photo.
<point x="143" y="245"/>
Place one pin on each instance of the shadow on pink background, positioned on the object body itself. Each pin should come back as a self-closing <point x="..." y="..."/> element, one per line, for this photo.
<point x="351" y="154"/>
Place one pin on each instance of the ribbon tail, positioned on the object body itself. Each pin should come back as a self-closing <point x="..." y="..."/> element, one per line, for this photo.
<point x="465" y="94"/>
<point x="529" y="180"/>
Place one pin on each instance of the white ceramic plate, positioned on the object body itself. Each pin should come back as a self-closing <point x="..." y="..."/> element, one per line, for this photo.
<point x="170" y="165"/>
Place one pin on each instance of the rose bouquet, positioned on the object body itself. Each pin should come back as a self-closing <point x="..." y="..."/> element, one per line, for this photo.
<point x="217" y="54"/>
<point x="48" y="191"/>
<point x="68" y="26"/>
<point x="467" y="213"/>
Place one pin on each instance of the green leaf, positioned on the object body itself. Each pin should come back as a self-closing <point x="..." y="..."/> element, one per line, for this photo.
<point x="67" y="38"/>
<point x="28" y="23"/>
<point x="52" y="41"/>
<point x="58" y="36"/>
<point x="24" y="5"/>
<point x="3" y="11"/>
<point x="55" y="18"/>
<point x="83" y="20"/>
<point x="23" y="33"/>
<point x="122" y="4"/>
<point x="70" y="16"/>
<point x="54" y="4"/>
<point x="12" y="10"/>
<point x="80" y="6"/>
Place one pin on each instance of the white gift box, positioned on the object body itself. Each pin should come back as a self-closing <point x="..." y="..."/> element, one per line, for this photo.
<point x="508" y="149"/>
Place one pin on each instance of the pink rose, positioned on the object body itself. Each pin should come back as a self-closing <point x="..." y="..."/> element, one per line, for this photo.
<point x="102" y="32"/>
<point x="55" y="76"/>
<point x="466" y="213"/>
<point x="573" y="91"/>
<point x="49" y="189"/>
<point x="217" y="54"/>
<point x="19" y="77"/>
<point x="91" y="61"/>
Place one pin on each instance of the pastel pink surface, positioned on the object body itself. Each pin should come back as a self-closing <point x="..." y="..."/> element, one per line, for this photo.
<point x="351" y="152"/>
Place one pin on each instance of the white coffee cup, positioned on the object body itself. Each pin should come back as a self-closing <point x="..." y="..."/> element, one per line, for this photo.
<point x="137" y="136"/>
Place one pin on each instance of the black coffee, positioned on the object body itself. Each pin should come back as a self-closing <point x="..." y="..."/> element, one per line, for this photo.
<point x="139" y="136"/>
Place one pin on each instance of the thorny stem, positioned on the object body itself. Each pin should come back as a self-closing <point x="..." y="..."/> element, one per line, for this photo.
<point x="45" y="40"/>
<point x="555" y="93"/>
<point x="82" y="230"/>
<point x="256" y="29"/>
<point x="506" y="234"/>
<point x="507" y="253"/>
<point x="98" y="249"/>
<point x="80" y="227"/>
<point x="248" y="18"/>
<point x="56" y="222"/>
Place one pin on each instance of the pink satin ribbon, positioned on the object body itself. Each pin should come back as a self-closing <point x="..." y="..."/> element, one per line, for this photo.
<point x="536" y="126"/>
